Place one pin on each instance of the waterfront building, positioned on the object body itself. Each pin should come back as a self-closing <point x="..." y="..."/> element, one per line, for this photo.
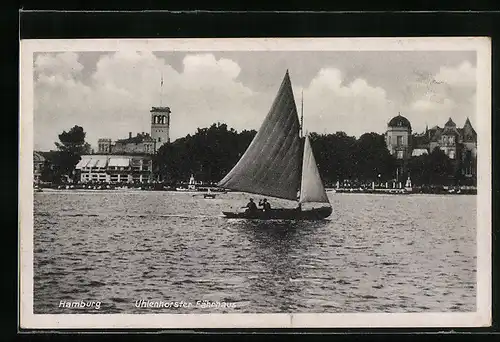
<point x="104" y="146"/>
<point x="142" y="143"/>
<point x="115" y="168"/>
<point x="459" y="144"/>
<point x="38" y="164"/>
<point x="398" y="137"/>
<point x="43" y="161"/>
<point x="398" y="140"/>
<point x="130" y="159"/>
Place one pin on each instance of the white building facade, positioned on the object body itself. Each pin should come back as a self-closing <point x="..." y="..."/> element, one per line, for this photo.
<point x="115" y="169"/>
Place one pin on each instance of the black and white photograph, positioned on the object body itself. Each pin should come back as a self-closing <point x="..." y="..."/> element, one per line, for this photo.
<point x="273" y="183"/>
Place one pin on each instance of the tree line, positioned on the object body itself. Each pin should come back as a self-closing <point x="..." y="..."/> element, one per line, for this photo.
<point x="211" y="152"/>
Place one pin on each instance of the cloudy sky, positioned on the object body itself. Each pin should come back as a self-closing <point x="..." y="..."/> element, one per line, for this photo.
<point x="111" y="93"/>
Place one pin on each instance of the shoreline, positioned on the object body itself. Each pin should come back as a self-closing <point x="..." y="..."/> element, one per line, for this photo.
<point x="406" y="191"/>
<point x="328" y="190"/>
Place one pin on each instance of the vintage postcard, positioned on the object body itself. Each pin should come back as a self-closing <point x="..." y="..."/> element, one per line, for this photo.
<point x="255" y="183"/>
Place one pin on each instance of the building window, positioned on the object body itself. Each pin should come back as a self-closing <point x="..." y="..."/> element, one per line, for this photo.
<point x="159" y="139"/>
<point x="399" y="154"/>
<point x="399" y="140"/>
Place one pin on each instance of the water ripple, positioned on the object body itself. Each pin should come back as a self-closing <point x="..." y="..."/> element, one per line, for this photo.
<point x="375" y="254"/>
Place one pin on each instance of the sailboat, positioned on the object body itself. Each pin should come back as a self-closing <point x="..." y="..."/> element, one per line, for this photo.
<point x="280" y="163"/>
<point x="191" y="185"/>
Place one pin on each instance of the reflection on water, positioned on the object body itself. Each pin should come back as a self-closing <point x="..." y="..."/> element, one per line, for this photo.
<point x="375" y="253"/>
<point x="282" y="247"/>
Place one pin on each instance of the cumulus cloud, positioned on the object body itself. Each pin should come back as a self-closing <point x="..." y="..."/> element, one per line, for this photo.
<point x="115" y="97"/>
<point x="356" y="107"/>
<point x="451" y="92"/>
<point x="125" y="85"/>
<point x="463" y="75"/>
<point x="63" y="65"/>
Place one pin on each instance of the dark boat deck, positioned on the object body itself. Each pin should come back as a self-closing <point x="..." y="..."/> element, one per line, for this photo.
<point x="283" y="214"/>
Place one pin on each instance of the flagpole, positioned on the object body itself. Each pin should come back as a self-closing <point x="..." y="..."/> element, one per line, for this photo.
<point x="161" y="90"/>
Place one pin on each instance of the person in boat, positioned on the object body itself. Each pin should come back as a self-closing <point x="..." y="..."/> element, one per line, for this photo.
<point x="266" y="207"/>
<point x="251" y="207"/>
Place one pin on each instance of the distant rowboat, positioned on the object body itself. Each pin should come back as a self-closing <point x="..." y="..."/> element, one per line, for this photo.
<point x="209" y="194"/>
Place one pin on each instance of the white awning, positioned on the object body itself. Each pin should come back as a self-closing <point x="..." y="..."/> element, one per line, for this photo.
<point x="419" y="152"/>
<point x="83" y="162"/>
<point x="93" y="162"/>
<point x="120" y="162"/>
<point x="101" y="162"/>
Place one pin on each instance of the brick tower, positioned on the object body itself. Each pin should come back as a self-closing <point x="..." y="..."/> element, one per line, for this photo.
<point x="160" y="125"/>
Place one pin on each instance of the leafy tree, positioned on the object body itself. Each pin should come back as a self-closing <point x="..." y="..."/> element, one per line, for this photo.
<point x="440" y="167"/>
<point x="372" y="158"/>
<point x="419" y="167"/>
<point x="212" y="152"/>
<point x="468" y="163"/>
<point x="431" y="169"/>
<point x="70" y="147"/>
<point x="73" y="141"/>
<point x="208" y="154"/>
<point x="334" y="155"/>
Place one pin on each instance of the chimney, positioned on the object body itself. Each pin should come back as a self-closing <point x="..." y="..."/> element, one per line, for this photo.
<point x="129" y="135"/>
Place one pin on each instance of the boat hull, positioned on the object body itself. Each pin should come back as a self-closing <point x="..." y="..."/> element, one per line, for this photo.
<point x="283" y="214"/>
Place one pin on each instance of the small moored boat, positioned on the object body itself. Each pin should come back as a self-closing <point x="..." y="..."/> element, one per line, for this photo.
<point x="209" y="194"/>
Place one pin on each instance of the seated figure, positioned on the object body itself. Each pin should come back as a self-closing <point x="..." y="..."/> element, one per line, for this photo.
<point x="250" y="207"/>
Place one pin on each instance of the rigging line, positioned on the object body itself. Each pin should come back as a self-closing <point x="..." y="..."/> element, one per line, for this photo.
<point x="302" y="116"/>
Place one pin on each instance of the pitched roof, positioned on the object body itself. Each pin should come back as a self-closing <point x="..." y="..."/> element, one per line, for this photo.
<point x="139" y="138"/>
<point x="420" y="140"/>
<point x="48" y="155"/>
<point x="435" y="133"/>
<point x="160" y="110"/>
<point x="468" y="132"/>
<point x="38" y="157"/>
<point x="450" y="123"/>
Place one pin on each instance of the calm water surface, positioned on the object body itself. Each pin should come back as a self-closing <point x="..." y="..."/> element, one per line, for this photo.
<point x="376" y="253"/>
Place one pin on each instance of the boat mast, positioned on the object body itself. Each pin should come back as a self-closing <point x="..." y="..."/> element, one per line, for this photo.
<point x="301" y="133"/>
<point x="302" y="116"/>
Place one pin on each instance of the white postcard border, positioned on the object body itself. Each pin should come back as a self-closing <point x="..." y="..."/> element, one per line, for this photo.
<point x="482" y="316"/>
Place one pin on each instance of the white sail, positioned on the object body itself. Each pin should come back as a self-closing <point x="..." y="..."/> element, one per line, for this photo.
<point x="311" y="189"/>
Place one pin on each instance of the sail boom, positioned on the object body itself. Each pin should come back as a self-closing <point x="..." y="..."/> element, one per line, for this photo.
<point x="265" y="195"/>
